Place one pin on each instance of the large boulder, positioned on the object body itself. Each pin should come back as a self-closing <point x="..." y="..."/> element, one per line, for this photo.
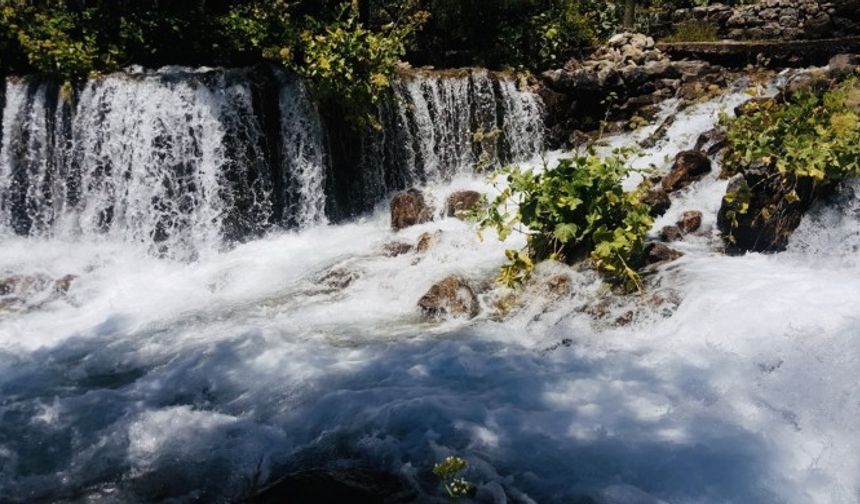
<point x="689" y="166"/>
<point x="761" y="211"/>
<point x="409" y="208"/>
<point x="450" y="298"/>
<point x="461" y="203"/>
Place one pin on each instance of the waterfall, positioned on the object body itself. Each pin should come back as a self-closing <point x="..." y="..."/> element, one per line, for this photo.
<point x="304" y="158"/>
<point x="440" y="124"/>
<point x="169" y="161"/>
<point x="184" y="161"/>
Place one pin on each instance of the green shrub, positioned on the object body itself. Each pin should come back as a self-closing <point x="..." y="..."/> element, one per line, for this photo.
<point x="789" y="154"/>
<point x="811" y="135"/>
<point x="576" y="210"/>
<point x="694" y="31"/>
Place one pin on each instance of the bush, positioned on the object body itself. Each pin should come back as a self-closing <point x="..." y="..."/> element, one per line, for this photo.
<point x="789" y="154"/>
<point x="576" y="210"/>
<point x="694" y="31"/>
<point x="811" y="135"/>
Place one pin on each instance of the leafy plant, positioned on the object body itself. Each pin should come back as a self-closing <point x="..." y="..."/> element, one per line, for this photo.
<point x="449" y="471"/>
<point x="811" y="135"/>
<point x="576" y="210"/>
<point x="789" y="152"/>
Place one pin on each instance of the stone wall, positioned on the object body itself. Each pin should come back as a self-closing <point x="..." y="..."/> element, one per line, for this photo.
<point x="779" y="19"/>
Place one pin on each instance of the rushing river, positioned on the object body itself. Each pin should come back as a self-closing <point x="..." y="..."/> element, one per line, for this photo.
<point x="177" y="367"/>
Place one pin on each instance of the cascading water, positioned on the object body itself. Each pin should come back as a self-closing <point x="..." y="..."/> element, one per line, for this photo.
<point x="182" y="161"/>
<point x="440" y="125"/>
<point x="152" y="380"/>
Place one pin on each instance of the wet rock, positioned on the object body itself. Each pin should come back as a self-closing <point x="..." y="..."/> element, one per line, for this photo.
<point x="394" y="249"/>
<point x="578" y="138"/>
<point x="23" y="285"/>
<point x="712" y="142"/>
<point x="337" y="279"/>
<point x="461" y="203"/>
<point x="666" y="301"/>
<point x="359" y="486"/>
<point x="807" y="82"/>
<point x="690" y="222"/>
<point x="658" y="253"/>
<point x="409" y="208"/>
<point x="689" y="166"/>
<point x="658" y="200"/>
<point x="758" y="215"/>
<point x="425" y="241"/>
<point x="63" y="285"/>
<point x="671" y="233"/>
<point x="559" y="286"/>
<point x="452" y="297"/>
<point x="843" y="65"/>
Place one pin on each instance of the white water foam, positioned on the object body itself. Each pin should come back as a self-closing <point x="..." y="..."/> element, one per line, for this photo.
<point x="157" y="377"/>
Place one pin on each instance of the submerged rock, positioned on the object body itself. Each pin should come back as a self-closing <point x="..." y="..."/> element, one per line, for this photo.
<point x="23" y="285"/>
<point x="461" y="203"/>
<point x="689" y="167"/>
<point x="409" y="208"/>
<point x="355" y="486"/>
<point x="395" y="248"/>
<point x="452" y="297"/>
<point x="337" y="279"/>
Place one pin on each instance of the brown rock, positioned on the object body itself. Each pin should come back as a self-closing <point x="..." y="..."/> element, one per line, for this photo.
<point x="452" y="297"/>
<point x="843" y="65"/>
<point x="658" y="200"/>
<point x="657" y="253"/>
<point x="807" y="82"/>
<point x="425" y="241"/>
<point x="337" y="279"/>
<point x="409" y="208"/>
<point x="689" y="167"/>
<point x="394" y="249"/>
<point x="690" y="221"/>
<point x="461" y="203"/>
<point x="23" y="284"/>
<point x="671" y="233"/>
<point x="559" y="286"/>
